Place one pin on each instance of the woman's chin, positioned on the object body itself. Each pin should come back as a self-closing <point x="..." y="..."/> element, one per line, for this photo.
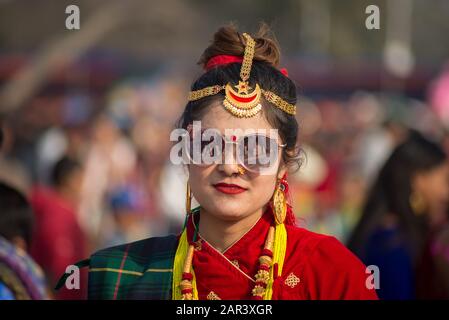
<point x="229" y="211"/>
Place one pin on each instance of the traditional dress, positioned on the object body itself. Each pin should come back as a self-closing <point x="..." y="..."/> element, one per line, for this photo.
<point x="316" y="267"/>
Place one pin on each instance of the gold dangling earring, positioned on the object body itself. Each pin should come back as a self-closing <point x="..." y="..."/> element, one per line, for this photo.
<point x="279" y="203"/>
<point x="417" y="203"/>
<point x="188" y="199"/>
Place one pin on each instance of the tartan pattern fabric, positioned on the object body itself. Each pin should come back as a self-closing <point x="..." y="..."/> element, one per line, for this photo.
<point x="140" y="270"/>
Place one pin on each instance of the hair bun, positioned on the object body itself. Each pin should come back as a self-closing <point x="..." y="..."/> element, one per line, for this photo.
<point x="228" y="41"/>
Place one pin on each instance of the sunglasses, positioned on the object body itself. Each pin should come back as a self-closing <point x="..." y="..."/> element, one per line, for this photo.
<point x="255" y="152"/>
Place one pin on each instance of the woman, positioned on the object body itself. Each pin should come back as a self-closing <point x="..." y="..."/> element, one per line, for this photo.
<point x="404" y="212"/>
<point x="242" y="242"/>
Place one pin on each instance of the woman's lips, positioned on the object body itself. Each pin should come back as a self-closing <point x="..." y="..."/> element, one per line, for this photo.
<point x="229" y="188"/>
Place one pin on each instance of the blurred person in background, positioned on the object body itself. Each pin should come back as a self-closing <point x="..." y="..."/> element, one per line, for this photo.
<point x="58" y="239"/>
<point x="20" y="276"/>
<point x="109" y="162"/>
<point x="406" y="206"/>
<point x="127" y="205"/>
<point x="12" y="171"/>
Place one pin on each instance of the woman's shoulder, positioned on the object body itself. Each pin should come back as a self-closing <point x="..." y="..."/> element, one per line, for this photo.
<point x="316" y="246"/>
<point x="143" y="264"/>
<point x="139" y="250"/>
<point x="135" y="257"/>
<point x="306" y="241"/>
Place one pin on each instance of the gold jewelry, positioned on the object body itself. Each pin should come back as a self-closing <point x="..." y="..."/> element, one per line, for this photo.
<point x="186" y="284"/>
<point x="417" y="203"/>
<point x="244" y="103"/>
<point x="271" y="97"/>
<point x="205" y="92"/>
<point x="292" y="280"/>
<point x="279" y="203"/>
<point x="279" y="102"/>
<point x="213" y="296"/>
<point x="241" y="170"/>
<point x="188" y="199"/>
<point x="248" y="56"/>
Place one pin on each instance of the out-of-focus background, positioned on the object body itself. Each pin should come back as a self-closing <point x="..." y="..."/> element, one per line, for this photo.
<point x="87" y="113"/>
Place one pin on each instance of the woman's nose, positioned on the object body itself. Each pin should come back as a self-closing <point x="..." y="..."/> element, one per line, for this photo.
<point x="229" y="163"/>
<point x="229" y="169"/>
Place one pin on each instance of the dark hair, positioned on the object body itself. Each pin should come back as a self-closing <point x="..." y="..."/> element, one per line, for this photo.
<point x="63" y="169"/>
<point x="264" y="72"/>
<point x="391" y="192"/>
<point x="16" y="216"/>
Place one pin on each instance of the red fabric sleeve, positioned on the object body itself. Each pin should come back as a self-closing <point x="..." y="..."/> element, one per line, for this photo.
<point x="335" y="273"/>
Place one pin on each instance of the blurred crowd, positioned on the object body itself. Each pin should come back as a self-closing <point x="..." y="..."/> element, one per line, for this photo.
<point x="95" y="171"/>
<point x="96" y="174"/>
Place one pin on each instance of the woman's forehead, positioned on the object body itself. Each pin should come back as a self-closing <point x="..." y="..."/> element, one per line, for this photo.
<point x="218" y="118"/>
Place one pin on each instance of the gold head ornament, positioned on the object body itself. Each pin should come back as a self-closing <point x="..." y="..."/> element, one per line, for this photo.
<point x="244" y="101"/>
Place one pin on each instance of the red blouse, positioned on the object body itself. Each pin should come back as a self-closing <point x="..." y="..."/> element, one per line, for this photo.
<point x="316" y="267"/>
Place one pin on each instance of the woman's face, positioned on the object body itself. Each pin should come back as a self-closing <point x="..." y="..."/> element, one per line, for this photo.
<point x="216" y="200"/>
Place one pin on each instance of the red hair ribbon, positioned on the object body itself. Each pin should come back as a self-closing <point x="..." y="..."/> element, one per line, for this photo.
<point x="224" y="59"/>
<point x="284" y="72"/>
<point x="221" y="59"/>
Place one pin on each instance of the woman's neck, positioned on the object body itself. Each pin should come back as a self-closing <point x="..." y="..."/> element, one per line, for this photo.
<point x="222" y="234"/>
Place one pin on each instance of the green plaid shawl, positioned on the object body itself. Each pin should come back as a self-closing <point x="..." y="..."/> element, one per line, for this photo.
<point x="140" y="270"/>
<point x="137" y="270"/>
